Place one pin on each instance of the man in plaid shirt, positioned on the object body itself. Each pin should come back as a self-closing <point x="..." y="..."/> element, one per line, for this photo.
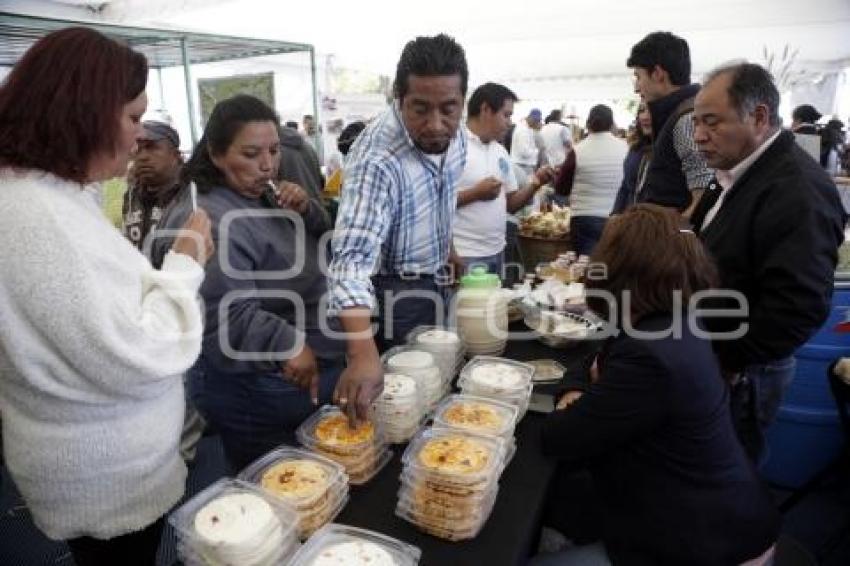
<point x="394" y="226"/>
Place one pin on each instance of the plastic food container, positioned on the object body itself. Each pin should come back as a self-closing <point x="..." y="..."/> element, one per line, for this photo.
<point x="399" y="409"/>
<point x="454" y="457"/>
<point x="508" y="381"/>
<point x="454" y="529"/>
<point x="235" y="522"/>
<point x="315" y="486"/>
<point x="547" y="370"/>
<point x="420" y="365"/>
<point x="446" y="345"/>
<point x="480" y="415"/>
<point x="361" y="451"/>
<point x="496" y="375"/>
<point x="334" y="545"/>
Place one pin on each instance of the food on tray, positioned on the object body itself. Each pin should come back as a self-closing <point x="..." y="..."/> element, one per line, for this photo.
<point x="474" y="416"/>
<point x="558" y="295"/>
<point x="455" y="454"/>
<point x="496" y="375"/>
<point x="298" y="479"/>
<point x="334" y="430"/>
<point x="354" y="553"/>
<point x="552" y="225"/>
<point x="239" y="528"/>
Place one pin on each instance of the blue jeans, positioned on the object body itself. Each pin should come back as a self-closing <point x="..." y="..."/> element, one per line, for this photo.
<point x="493" y="263"/>
<point x="585" y="231"/>
<point x="424" y="303"/>
<point x="755" y="400"/>
<point x="255" y="412"/>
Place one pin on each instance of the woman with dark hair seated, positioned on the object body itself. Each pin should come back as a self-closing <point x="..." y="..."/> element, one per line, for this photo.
<point x="266" y="361"/>
<point x="653" y="428"/>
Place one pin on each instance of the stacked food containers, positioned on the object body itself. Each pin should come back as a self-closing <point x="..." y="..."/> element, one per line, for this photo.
<point x="399" y="409"/>
<point x="420" y="365"/>
<point x="444" y="344"/>
<point x="362" y="450"/>
<point x="338" y="545"/>
<point x="234" y="522"/>
<point x="479" y="415"/>
<point x="316" y="487"/>
<point x="508" y="381"/>
<point x="450" y="481"/>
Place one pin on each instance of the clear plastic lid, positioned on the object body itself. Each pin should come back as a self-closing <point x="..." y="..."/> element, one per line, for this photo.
<point x="399" y="387"/>
<point x="443" y="338"/>
<point x="335" y="545"/>
<point x="547" y="370"/>
<point x="298" y="476"/>
<point x="364" y="474"/>
<point x="404" y="359"/>
<point x="514" y="397"/>
<point x="497" y="374"/>
<point x="361" y="468"/>
<point x="419" y="482"/>
<point x="454" y="456"/>
<point x="437" y="506"/>
<point x="190" y="556"/>
<point x="446" y="528"/>
<point x="329" y="430"/>
<point x="311" y="522"/>
<point x="236" y="522"/>
<point x="481" y="415"/>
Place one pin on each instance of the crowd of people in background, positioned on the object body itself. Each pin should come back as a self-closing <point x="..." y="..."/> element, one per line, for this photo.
<point x="100" y="330"/>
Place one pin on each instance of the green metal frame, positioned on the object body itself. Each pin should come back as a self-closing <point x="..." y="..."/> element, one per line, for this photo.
<point x="162" y="47"/>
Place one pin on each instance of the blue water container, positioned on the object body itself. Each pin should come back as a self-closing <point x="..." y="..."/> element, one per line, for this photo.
<point x="807" y="434"/>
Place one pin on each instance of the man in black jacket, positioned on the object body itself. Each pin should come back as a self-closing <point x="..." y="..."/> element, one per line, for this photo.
<point x="773" y="224"/>
<point x="153" y="183"/>
<point x="677" y="174"/>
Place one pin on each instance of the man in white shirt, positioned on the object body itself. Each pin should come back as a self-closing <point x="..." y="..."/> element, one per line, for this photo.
<point x="524" y="150"/>
<point x="557" y="139"/>
<point x="488" y="188"/>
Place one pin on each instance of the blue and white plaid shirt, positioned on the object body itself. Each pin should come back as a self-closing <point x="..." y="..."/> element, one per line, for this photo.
<point x="395" y="214"/>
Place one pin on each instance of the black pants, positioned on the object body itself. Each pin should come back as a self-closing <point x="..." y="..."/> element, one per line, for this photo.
<point x="133" y="549"/>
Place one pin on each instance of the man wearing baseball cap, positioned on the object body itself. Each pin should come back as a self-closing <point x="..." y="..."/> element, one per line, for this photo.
<point x="525" y="151"/>
<point x="152" y="181"/>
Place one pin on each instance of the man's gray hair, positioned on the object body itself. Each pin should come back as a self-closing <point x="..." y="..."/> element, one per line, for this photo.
<point x="750" y="85"/>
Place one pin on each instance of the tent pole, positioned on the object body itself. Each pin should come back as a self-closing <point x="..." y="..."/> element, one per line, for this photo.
<point x="317" y="137"/>
<point x="161" y="90"/>
<point x="187" y="76"/>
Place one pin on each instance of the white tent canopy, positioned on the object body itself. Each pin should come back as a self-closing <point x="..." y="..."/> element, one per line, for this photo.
<point x="551" y="52"/>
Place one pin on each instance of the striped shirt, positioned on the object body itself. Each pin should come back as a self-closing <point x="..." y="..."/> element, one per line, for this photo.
<point x="694" y="167"/>
<point x="395" y="214"/>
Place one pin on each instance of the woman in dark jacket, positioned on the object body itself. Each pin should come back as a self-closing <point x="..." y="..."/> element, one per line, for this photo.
<point x="654" y="429"/>
<point x="267" y="360"/>
<point x="636" y="162"/>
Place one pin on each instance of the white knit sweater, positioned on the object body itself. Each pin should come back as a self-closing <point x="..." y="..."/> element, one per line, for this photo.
<point x="93" y="342"/>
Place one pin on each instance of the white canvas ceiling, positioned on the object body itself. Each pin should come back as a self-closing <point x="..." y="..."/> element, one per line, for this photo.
<point x="544" y="49"/>
<point x="514" y="40"/>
